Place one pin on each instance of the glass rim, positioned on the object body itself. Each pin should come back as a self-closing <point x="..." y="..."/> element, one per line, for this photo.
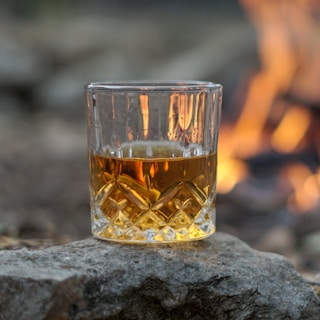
<point x="137" y="85"/>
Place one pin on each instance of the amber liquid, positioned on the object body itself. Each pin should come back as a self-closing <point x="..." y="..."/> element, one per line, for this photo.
<point x="159" y="199"/>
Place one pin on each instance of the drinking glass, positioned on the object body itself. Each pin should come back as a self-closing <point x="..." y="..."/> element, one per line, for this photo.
<point x="152" y="159"/>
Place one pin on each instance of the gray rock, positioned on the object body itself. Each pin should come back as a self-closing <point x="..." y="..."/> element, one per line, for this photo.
<point x="217" y="278"/>
<point x="20" y="66"/>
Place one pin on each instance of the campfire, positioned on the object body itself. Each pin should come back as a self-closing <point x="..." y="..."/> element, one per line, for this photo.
<point x="277" y="128"/>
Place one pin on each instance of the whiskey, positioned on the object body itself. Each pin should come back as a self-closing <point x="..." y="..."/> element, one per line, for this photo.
<point x="153" y="192"/>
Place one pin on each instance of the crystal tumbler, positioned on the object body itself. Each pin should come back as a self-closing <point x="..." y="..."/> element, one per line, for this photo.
<point x="152" y="159"/>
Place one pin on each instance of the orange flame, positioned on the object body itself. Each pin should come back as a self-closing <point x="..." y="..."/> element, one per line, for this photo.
<point x="144" y="105"/>
<point x="305" y="185"/>
<point x="278" y="66"/>
<point x="289" y="54"/>
<point x="291" y="129"/>
<point x="230" y="169"/>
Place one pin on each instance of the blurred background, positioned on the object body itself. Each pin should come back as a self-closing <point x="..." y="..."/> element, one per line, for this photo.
<point x="266" y="53"/>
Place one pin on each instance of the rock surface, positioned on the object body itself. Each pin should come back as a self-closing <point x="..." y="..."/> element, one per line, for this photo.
<point x="217" y="278"/>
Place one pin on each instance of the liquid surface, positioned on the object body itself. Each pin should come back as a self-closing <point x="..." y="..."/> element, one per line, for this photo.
<point x="162" y="199"/>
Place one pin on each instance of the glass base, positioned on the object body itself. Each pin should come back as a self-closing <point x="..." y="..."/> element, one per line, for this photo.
<point x="151" y="229"/>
